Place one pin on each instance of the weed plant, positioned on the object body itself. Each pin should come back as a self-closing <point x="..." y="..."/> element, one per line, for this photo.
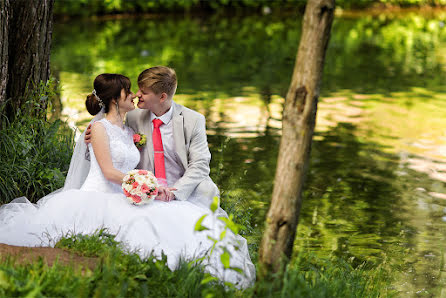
<point x="34" y="153"/>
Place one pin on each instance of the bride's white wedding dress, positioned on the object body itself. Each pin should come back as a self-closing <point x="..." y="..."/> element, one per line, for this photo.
<point x="156" y="228"/>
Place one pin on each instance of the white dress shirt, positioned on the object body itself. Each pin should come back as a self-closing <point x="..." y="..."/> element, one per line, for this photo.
<point x="174" y="170"/>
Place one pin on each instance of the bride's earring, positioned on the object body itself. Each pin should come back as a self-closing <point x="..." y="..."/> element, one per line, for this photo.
<point x="117" y="108"/>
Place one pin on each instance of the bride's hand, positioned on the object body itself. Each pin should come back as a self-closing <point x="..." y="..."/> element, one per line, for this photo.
<point x="87" y="138"/>
<point x="165" y="194"/>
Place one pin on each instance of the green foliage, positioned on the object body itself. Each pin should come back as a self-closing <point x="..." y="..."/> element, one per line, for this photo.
<point x="35" y="154"/>
<point x="215" y="204"/>
<point x="96" y="7"/>
<point x="251" y="56"/>
<point x="396" y="51"/>
<point x="97" y="244"/>
<point x="199" y="226"/>
<point x="309" y="276"/>
<point x="219" y="244"/>
<point x="122" y="273"/>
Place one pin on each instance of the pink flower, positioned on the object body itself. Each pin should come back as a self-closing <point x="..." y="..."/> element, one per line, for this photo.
<point x="136" y="199"/>
<point x="142" y="172"/>
<point x="154" y="192"/>
<point x="135" y="184"/>
<point x="145" y="188"/>
<point x="127" y="194"/>
<point x="136" y="138"/>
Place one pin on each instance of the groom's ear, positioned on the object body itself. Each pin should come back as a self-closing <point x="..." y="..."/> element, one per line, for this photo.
<point x="163" y="97"/>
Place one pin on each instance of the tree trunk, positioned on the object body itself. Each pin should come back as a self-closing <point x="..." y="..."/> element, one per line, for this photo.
<point x="29" y="49"/>
<point x="4" y="55"/>
<point x="297" y="131"/>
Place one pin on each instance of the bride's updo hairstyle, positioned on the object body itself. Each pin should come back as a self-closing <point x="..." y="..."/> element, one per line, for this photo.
<point x="107" y="86"/>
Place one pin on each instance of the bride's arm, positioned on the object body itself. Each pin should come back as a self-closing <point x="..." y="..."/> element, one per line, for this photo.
<point x="101" y="149"/>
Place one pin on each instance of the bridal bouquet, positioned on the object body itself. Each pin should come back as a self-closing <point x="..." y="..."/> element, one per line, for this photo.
<point x="140" y="187"/>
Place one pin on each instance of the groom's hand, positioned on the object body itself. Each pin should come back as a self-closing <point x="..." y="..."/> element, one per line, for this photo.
<point x="87" y="138"/>
<point x="165" y="194"/>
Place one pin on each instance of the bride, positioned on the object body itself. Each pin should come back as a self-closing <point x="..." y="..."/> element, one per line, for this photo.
<point x="154" y="229"/>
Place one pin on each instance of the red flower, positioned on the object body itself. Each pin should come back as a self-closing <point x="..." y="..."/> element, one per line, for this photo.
<point x="135" y="185"/>
<point x="136" y="138"/>
<point x="142" y="172"/>
<point x="127" y="194"/>
<point x="136" y="199"/>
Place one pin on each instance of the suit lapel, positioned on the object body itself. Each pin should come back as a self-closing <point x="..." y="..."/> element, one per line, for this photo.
<point x="178" y="134"/>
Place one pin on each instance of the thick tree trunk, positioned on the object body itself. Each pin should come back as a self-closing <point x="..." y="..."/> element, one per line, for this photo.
<point x="297" y="131"/>
<point x="29" y="48"/>
<point x="4" y="55"/>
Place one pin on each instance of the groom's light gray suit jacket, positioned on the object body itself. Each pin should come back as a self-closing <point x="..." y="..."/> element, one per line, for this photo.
<point x="191" y="151"/>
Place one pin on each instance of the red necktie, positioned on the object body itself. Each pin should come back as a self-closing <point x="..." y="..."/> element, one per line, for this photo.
<point x="160" y="169"/>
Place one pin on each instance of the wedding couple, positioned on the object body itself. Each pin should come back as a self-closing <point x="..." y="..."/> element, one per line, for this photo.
<point x="176" y="151"/>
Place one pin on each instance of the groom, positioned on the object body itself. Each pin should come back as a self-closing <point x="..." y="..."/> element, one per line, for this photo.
<point x="177" y="148"/>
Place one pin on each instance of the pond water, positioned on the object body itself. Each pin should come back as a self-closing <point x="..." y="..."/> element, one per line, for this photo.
<point x="376" y="187"/>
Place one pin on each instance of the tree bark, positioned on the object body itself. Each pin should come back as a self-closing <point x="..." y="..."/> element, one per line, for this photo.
<point x="4" y="55"/>
<point x="30" y="34"/>
<point x="297" y="132"/>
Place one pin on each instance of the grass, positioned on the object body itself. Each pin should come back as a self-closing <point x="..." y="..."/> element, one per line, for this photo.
<point x="34" y="153"/>
<point x="120" y="273"/>
<point x="123" y="273"/>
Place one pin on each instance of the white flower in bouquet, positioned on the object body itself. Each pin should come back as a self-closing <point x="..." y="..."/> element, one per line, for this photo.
<point x="140" y="186"/>
<point x="140" y="179"/>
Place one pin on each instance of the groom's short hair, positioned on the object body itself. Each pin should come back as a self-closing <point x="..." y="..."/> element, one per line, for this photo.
<point x="159" y="79"/>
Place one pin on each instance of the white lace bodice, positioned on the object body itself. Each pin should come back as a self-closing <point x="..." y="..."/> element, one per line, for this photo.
<point x="125" y="156"/>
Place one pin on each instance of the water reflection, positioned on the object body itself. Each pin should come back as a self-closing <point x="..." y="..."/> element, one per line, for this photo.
<point x="375" y="189"/>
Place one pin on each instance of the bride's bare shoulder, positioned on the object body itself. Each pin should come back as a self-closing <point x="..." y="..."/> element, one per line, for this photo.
<point x="97" y="124"/>
<point x="98" y="129"/>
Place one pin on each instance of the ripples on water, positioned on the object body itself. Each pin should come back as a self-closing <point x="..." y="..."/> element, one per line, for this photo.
<point x="376" y="185"/>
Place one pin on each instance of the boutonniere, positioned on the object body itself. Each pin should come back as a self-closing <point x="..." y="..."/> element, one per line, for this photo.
<point x="139" y="140"/>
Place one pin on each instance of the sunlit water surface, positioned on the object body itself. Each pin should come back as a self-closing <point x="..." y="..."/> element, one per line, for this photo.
<point x="376" y="187"/>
